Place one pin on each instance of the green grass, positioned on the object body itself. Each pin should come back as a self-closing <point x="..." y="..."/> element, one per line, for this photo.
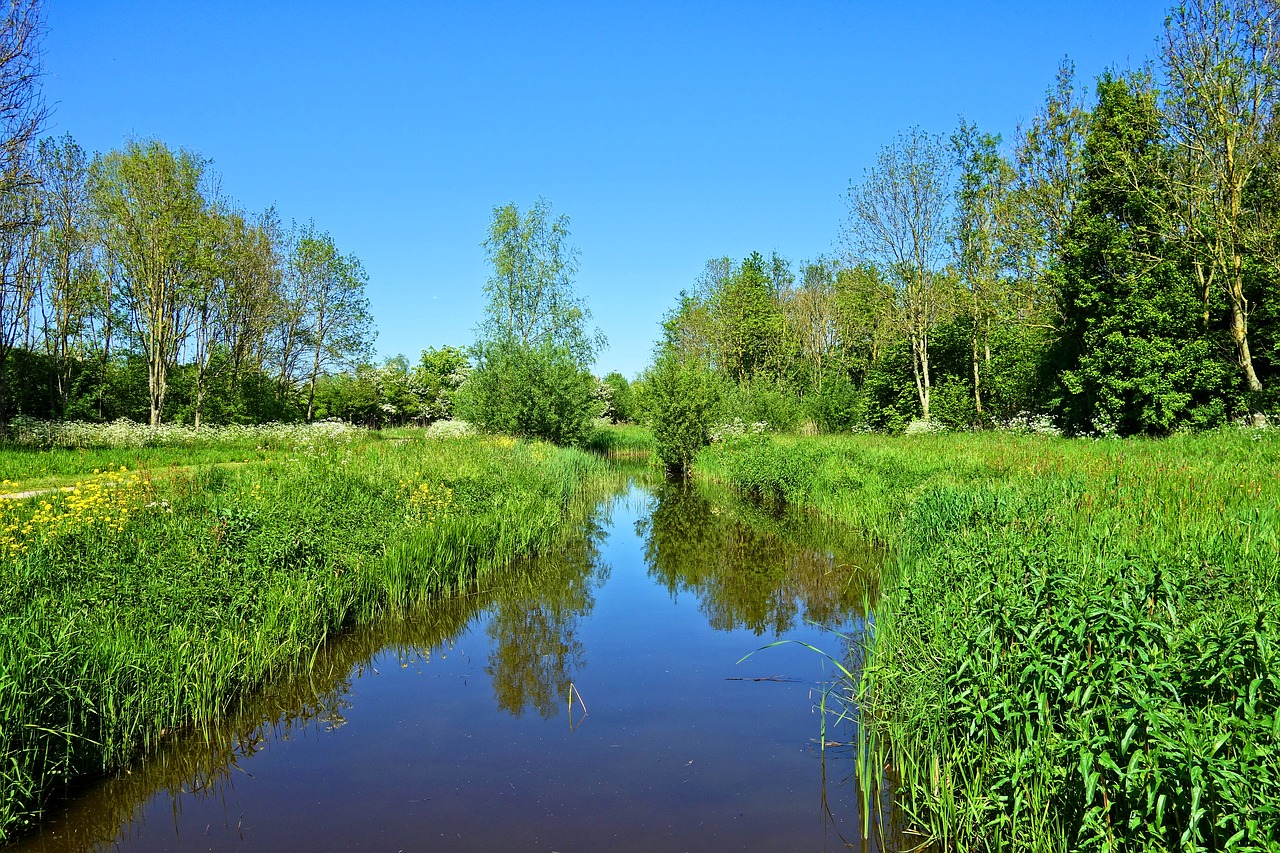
<point x="1076" y="645"/>
<point x="208" y="583"/>
<point x="621" y="441"/>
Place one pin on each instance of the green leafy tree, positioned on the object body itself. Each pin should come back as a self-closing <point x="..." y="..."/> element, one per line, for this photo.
<point x="1136" y="359"/>
<point x="681" y="398"/>
<point x="621" y="400"/>
<point x="531" y="375"/>
<point x="336" y="324"/>
<point x="1222" y="59"/>
<point x="541" y="393"/>
<point x="897" y="220"/>
<point x="151" y="206"/>
<point x="439" y="374"/>
<point x="531" y="297"/>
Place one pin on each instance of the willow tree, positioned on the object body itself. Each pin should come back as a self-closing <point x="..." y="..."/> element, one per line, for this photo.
<point x="1222" y="61"/>
<point x="152" y="212"/>
<point x="898" y="220"/>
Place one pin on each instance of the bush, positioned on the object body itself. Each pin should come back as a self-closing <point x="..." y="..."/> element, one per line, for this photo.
<point x="681" y="401"/>
<point x="538" y="393"/>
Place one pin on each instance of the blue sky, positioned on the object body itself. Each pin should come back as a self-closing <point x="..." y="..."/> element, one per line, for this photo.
<point x="669" y="133"/>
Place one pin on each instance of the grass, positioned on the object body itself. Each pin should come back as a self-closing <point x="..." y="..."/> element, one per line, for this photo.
<point x="1076" y="645"/>
<point x="136" y="605"/>
<point x="621" y="441"/>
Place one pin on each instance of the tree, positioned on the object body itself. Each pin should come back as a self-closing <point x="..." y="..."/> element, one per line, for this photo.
<point x="22" y="114"/>
<point x="1222" y="60"/>
<point x="336" y="324"/>
<point x="71" y="288"/>
<point x="151" y="206"/>
<point x="897" y="219"/>
<point x="541" y="393"/>
<point x="980" y="235"/>
<point x="531" y="296"/>
<point x="747" y="319"/>
<point x="1136" y="360"/>
<point x="440" y="372"/>
<point x="533" y="350"/>
<point x="621" y="406"/>
<point x="680" y="399"/>
<point x="1049" y="159"/>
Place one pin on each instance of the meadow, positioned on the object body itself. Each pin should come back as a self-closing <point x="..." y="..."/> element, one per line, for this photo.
<point x="173" y="575"/>
<point x="1075" y="646"/>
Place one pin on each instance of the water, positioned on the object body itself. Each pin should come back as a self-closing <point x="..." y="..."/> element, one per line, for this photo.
<point x="595" y="701"/>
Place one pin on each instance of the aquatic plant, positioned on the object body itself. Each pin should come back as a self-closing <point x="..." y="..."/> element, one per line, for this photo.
<point x="1075" y="647"/>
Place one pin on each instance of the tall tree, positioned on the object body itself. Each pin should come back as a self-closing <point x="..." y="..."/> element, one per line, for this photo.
<point x="1136" y="358"/>
<point x="748" y="319"/>
<point x="898" y="220"/>
<point x="152" y="209"/>
<point x="1222" y="60"/>
<point x="980" y="235"/>
<point x="1050" y="169"/>
<point x="531" y="296"/>
<point x="338" y="326"/>
<point x="71" y="286"/>
<point x="22" y="114"/>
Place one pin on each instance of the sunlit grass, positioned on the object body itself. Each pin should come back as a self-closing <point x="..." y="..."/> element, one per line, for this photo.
<point x="133" y="605"/>
<point x="1076" y="647"/>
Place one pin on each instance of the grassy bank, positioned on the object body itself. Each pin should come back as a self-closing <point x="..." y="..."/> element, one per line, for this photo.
<point x="1076" y="646"/>
<point x="139" y="604"/>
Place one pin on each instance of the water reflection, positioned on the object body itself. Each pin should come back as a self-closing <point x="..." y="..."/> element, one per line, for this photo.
<point x="748" y="566"/>
<point x="755" y="566"/>
<point x="535" y="626"/>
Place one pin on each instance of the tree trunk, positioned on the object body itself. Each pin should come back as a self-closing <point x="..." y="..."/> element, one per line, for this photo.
<point x="156" y="388"/>
<point x="311" y="386"/>
<point x="977" y="381"/>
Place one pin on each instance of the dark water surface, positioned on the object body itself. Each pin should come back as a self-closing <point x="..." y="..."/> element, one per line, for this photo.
<point x="592" y="702"/>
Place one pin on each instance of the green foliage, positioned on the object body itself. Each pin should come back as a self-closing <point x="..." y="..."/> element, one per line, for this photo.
<point x="223" y="579"/>
<point x="532" y="303"/>
<point x="681" y="402"/>
<point x="762" y="401"/>
<point x="1135" y="359"/>
<point x="621" y="404"/>
<point x="1076" y="648"/>
<point x="533" y="393"/>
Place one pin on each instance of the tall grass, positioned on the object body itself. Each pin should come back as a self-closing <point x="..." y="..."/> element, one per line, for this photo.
<point x="1076" y="646"/>
<point x="217" y="580"/>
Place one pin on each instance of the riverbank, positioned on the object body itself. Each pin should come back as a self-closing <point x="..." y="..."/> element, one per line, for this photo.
<point x="1076" y="646"/>
<point x="148" y="600"/>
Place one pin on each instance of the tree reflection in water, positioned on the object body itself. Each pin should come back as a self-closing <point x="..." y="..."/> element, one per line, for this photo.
<point x="754" y="566"/>
<point x="535" y="625"/>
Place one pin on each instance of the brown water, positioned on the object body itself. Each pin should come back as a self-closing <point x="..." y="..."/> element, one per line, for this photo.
<point x="595" y="701"/>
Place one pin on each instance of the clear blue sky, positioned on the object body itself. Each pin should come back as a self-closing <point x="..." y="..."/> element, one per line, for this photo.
<point x="669" y="133"/>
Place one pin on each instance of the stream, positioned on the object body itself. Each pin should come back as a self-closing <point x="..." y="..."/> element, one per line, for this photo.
<point x="595" y="700"/>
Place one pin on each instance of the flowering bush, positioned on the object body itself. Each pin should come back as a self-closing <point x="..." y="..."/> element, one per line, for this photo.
<point x="737" y="428"/>
<point x="123" y="433"/>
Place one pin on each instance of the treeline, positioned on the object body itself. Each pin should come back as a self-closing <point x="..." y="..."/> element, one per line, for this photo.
<point x="130" y="286"/>
<point x="1114" y="270"/>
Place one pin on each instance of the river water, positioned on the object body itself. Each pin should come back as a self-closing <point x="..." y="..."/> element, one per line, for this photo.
<point x="595" y="700"/>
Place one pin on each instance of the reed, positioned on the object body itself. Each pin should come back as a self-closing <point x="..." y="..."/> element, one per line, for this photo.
<point x="1076" y="642"/>
<point x="135" y="605"/>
